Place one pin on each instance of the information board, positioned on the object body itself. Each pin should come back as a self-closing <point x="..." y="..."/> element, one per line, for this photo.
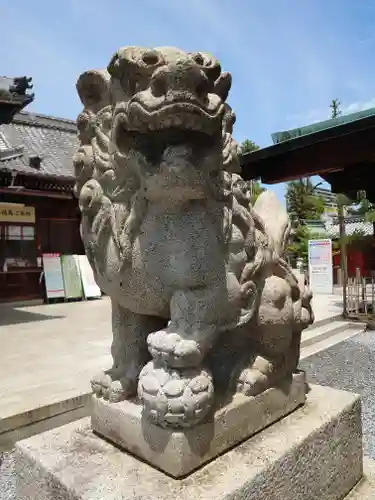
<point x="320" y="266"/>
<point x="53" y="276"/>
<point x="90" y="288"/>
<point x="71" y="276"/>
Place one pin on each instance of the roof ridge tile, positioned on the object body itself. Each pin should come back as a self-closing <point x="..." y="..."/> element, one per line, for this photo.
<point x="41" y="120"/>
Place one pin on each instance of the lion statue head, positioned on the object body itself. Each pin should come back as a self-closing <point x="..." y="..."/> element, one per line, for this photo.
<point x="155" y="129"/>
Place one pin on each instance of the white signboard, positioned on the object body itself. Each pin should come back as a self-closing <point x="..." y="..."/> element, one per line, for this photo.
<point x="90" y="288"/>
<point x="320" y="266"/>
<point x="53" y="276"/>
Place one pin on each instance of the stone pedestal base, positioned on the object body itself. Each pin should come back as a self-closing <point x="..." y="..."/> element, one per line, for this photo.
<point x="178" y="453"/>
<point x="313" y="453"/>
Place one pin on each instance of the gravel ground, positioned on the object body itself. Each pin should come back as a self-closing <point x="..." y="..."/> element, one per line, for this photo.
<point x="7" y="478"/>
<point x="350" y="366"/>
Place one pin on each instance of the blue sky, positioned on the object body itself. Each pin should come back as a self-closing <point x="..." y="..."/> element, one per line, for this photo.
<point x="288" y="58"/>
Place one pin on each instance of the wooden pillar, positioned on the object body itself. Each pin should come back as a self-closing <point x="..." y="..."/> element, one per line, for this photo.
<point x="344" y="263"/>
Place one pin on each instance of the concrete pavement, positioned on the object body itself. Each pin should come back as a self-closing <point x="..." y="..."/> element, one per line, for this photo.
<point x="48" y="355"/>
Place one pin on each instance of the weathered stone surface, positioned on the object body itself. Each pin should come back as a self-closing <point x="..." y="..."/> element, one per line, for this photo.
<point x="315" y="453"/>
<point x="195" y="273"/>
<point x="179" y="452"/>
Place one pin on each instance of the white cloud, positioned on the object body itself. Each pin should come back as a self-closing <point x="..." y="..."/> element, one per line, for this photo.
<point x="307" y="118"/>
<point x="320" y="114"/>
<point x="354" y="107"/>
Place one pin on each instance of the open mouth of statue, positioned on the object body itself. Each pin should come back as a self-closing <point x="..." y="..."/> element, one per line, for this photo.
<point x="172" y="125"/>
<point x="153" y="143"/>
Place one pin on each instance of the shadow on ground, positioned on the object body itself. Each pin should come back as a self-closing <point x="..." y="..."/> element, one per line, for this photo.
<point x="14" y="316"/>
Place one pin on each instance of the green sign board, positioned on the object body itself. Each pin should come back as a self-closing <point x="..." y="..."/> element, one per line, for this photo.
<point x="72" y="276"/>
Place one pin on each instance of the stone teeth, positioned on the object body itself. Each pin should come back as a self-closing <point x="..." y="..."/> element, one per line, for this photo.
<point x="177" y="120"/>
<point x="168" y="122"/>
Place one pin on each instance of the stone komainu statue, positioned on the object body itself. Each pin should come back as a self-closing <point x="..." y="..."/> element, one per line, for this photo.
<point x="203" y="304"/>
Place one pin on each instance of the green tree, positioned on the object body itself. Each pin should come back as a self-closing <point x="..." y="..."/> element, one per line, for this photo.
<point x="302" y="202"/>
<point x="298" y="246"/>
<point x="248" y="146"/>
<point x="335" y="107"/>
<point x="255" y="187"/>
<point x="363" y="208"/>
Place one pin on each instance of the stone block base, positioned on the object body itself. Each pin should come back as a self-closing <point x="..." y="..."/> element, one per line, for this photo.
<point x="365" y="489"/>
<point x="179" y="453"/>
<point x="313" y="453"/>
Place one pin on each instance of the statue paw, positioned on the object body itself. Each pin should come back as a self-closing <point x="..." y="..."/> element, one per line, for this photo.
<point x="172" y="398"/>
<point x="111" y="387"/>
<point x="174" y="350"/>
<point x="252" y="382"/>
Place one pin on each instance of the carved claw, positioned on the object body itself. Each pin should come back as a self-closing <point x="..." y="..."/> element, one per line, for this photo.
<point x="112" y="388"/>
<point x="174" y="350"/>
<point x="252" y="382"/>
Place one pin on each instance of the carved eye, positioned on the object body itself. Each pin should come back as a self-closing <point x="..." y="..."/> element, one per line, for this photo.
<point x="198" y="58"/>
<point x="133" y="66"/>
<point x="208" y="63"/>
<point x="151" y="58"/>
<point x="133" y="59"/>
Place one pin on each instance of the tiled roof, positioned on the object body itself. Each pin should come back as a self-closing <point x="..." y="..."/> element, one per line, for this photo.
<point x="330" y="226"/>
<point x="53" y="139"/>
<point x="351" y="227"/>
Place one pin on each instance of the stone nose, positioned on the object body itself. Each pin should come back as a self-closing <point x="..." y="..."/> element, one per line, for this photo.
<point x="183" y="78"/>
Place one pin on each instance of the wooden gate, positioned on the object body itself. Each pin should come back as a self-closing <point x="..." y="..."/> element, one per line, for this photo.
<point x="360" y="300"/>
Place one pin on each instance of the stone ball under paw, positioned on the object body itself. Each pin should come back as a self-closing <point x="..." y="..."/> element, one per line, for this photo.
<point x="175" y="398"/>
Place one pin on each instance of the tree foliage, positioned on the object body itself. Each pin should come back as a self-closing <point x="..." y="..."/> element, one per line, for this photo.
<point x="255" y="187"/>
<point x="343" y="200"/>
<point x="298" y="246"/>
<point x="302" y="202"/>
<point x="335" y="107"/>
<point x="363" y="208"/>
<point x="248" y="146"/>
